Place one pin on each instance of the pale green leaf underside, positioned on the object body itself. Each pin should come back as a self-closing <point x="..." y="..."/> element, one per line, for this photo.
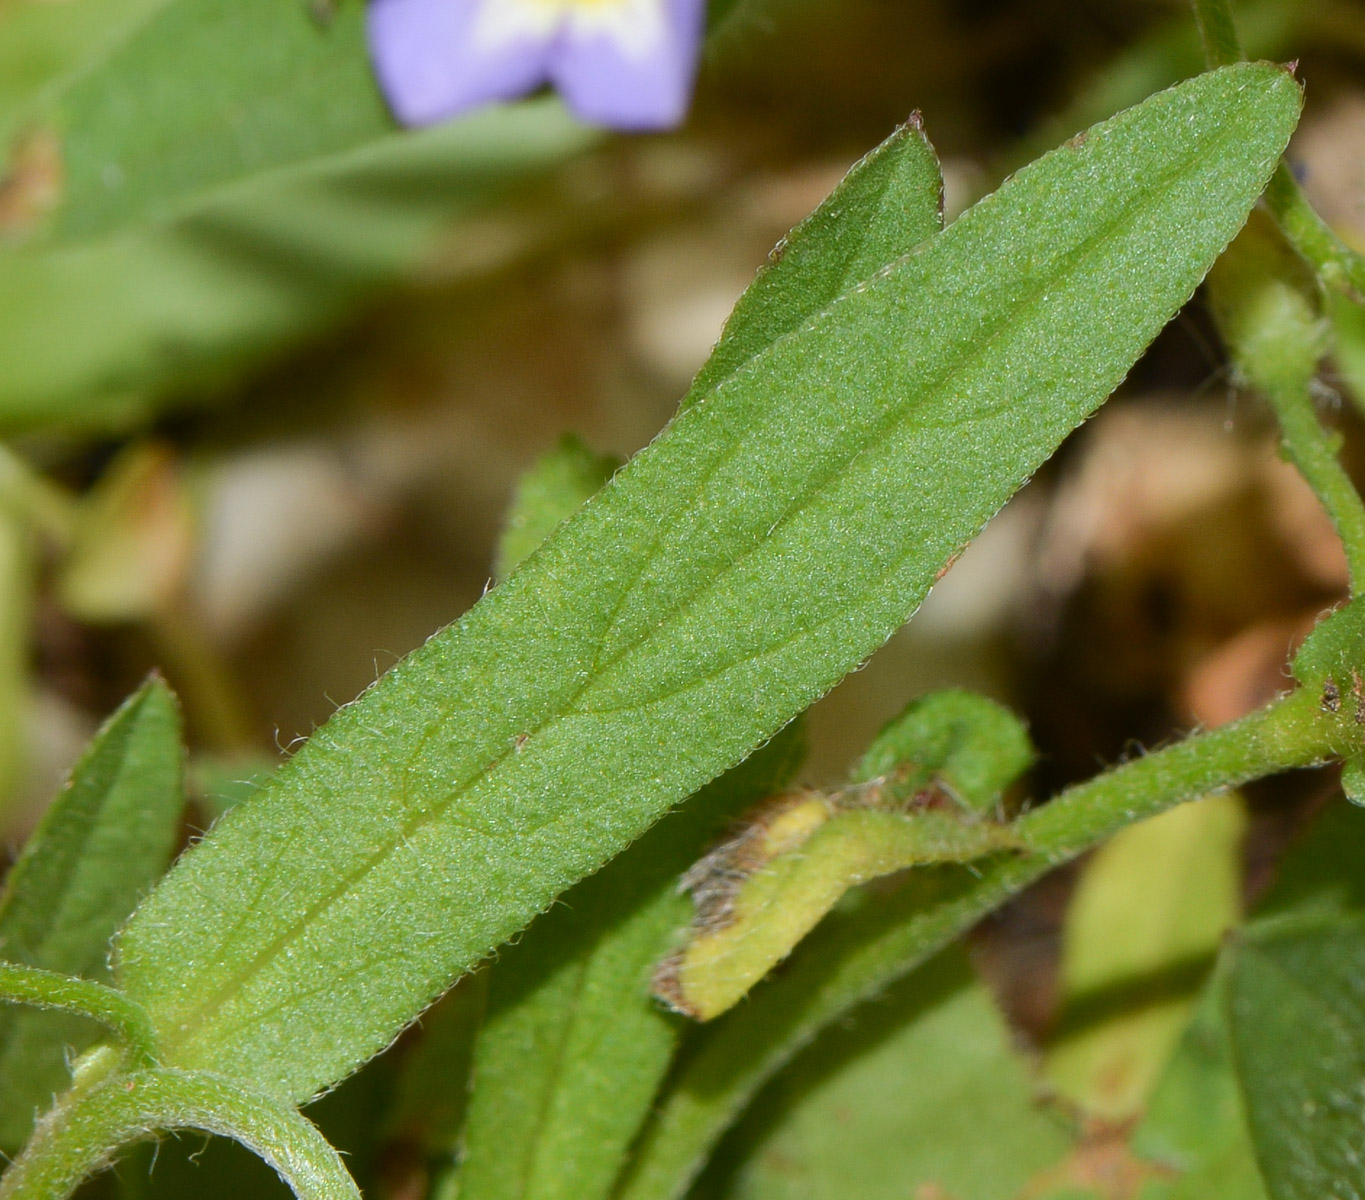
<point x="575" y="1046"/>
<point x="777" y="533"/>
<point x="853" y="1117"/>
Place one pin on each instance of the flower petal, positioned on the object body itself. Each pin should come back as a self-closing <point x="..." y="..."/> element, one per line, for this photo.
<point x="629" y="63"/>
<point x="434" y="58"/>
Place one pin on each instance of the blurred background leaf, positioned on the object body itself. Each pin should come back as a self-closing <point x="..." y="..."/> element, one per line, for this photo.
<point x="94" y="334"/>
<point x="1142" y="931"/>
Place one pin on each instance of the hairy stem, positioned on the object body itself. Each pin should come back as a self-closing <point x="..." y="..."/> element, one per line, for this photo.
<point x="1337" y="264"/>
<point x="1339" y="267"/>
<point x="125" y="1018"/>
<point x="1310" y="447"/>
<point x="98" y="1116"/>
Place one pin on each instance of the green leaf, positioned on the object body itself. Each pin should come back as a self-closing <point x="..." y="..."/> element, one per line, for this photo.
<point x="547" y="495"/>
<point x="890" y="201"/>
<point x="1331" y="659"/>
<point x="922" y="795"/>
<point x="202" y="93"/>
<point x="40" y="43"/>
<point x="104" y="842"/>
<point x="957" y="741"/>
<point x="574" y="1046"/>
<point x="182" y="306"/>
<point x="769" y="540"/>
<point x="855" y="1115"/>
<point x="1296" y="997"/>
<point x="1142" y="931"/>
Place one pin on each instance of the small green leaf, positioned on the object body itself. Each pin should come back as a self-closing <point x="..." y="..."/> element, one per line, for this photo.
<point x="770" y="539"/>
<point x="1296" y="997"/>
<point x="102" y="845"/>
<point x="1142" y="931"/>
<point x="575" y="1047"/>
<point x="921" y="795"/>
<point x="548" y="495"/>
<point x="964" y="744"/>
<point x="889" y="202"/>
<point x="857" y="1115"/>
<point x="1331" y="664"/>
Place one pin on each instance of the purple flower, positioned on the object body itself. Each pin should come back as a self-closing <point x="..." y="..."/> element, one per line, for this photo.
<point x="624" y="63"/>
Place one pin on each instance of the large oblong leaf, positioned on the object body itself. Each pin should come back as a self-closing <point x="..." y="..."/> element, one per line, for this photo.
<point x="775" y="535"/>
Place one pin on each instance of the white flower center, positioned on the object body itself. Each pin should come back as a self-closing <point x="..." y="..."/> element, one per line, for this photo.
<point x="636" y="26"/>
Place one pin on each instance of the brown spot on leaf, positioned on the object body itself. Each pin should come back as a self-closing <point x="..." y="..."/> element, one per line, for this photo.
<point x="948" y="566"/>
<point x="32" y="185"/>
<point x="1103" y="1164"/>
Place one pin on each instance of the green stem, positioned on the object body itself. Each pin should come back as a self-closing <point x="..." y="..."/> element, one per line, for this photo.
<point x="1340" y="267"/>
<point x="1310" y="447"/>
<point x="1292" y="732"/>
<point x="852" y="957"/>
<point x="126" y="1018"/>
<point x="90" y="1123"/>
<point x="1218" y="32"/>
